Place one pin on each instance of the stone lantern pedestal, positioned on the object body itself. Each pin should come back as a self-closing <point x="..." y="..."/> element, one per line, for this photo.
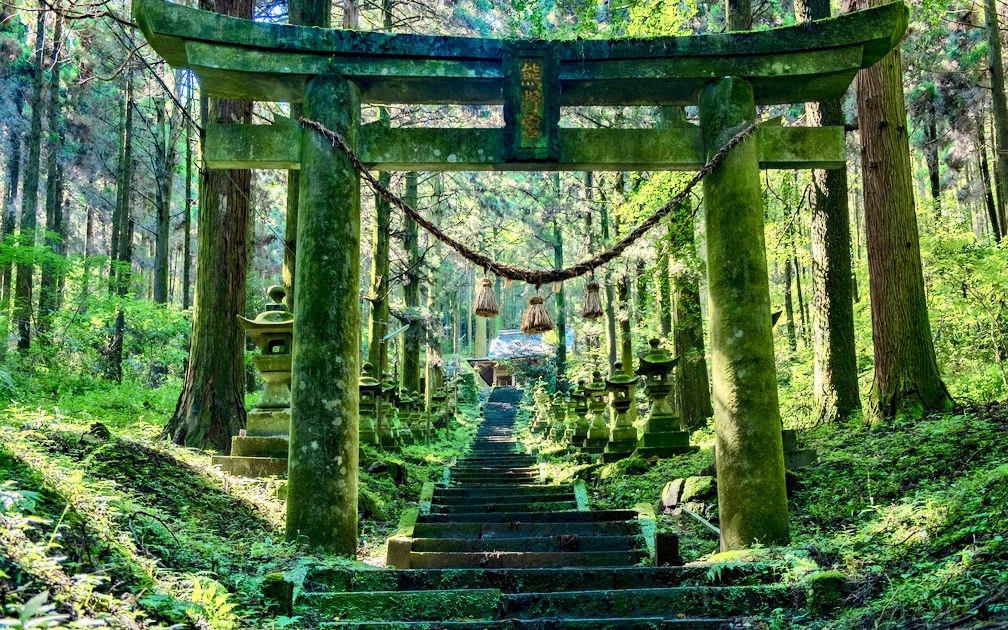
<point x="661" y="436"/>
<point x="388" y="416"/>
<point x="622" y="434"/>
<point x="598" y="428"/>
<point x="370" y="393"/>
<point x="576" y="429"/>
<point x="407" y="417"/>
<point x="557" y="411"/>
<point x="260" y="450"/>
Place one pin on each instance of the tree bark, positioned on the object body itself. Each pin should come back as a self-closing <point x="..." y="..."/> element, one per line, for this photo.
<point x="906" y="371"/>
<point x="10" y="199"/>
<point x="29" y="196"/>
<point x="835" y="385"/>
<point x="165" y="176"/>
<point x="999" y="110"/>
<point x="985" y="180"/>
<point x="664" y="289"/>
<point x="187" y="219"/>
<point x="411" y="295"/>
<point x="211" y="406"/>
<point x="561" y="305"/>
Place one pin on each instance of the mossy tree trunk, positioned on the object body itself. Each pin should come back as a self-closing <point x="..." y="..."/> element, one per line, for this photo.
<point x="906" y="371"/>
<point x="323" y="460"/>
<point x="211" y="406"/>
<point x="187" y="219"/>
<point x="165" y="145"/>
<point x="29" y="194"/>
<point x="664" y="289"/>
<point x="413" y="337"/>
<point x="561" y="304"/>
<point x="752" y="499"/>
<point x="835" y="383"/>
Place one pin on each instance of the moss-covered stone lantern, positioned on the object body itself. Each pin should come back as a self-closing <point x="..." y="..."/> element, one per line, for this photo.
<point x="261" y="449"/>
<point x="622" y="433"/>
<point x="557" y="409"/>
<point x="598" y="427"/>
<point x="370" y="395"/>
<point x="661" y="436"/>
<point x="577" y="419"/>
<point x="540" y="398"/>
<point x="388" y="417"/>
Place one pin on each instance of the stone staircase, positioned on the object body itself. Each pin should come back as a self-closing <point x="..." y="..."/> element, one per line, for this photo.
<point x="498" y="549"/>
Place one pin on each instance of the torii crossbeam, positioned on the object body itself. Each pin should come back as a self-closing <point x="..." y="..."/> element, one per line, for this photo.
<point x="333" y="71"/>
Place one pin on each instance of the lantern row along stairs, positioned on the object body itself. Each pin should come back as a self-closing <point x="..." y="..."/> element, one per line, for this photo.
<point x="332" y="72"/>
<point x="495" y="547"/>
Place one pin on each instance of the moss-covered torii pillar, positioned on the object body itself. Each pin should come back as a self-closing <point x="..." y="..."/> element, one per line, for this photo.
<point x="752" y="502"/>
<point x="322" y="473"/>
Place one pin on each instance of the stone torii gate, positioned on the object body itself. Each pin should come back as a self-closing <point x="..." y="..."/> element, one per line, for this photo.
<point x="333" y="71"/>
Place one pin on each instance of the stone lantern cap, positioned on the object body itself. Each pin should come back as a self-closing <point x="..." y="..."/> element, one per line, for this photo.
<point x="619" y="380"/>
<point x="657" y="361"/>
<point x="597" y="384"/>
<point x="273" y="324"/>
<point x="369" y="383"/>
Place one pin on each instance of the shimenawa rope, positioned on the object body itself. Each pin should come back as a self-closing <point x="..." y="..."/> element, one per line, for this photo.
<point x="536" y="277"/>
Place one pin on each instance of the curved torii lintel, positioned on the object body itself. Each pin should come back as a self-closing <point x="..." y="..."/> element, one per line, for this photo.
<point x="237" y="58"/>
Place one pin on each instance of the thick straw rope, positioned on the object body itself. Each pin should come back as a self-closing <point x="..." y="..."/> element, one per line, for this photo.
<point x="537" y="277"/>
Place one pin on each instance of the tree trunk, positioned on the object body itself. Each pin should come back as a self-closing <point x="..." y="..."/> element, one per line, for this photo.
<point x="10" y="198"/>
<point x="985" y="180"/>
<point x="789" y="322"/>
<point x="835" y="384"/>
<point x="664" y="289"/>
<point x="211" y="406"/>
<point x="187" y="219"/>
<point x="906" y="371"/>
<point x="163" y="187"/>
<point x="411" y="295"/>
<point x="561" y="306"/>
<point x="29" y="197"/>
<point x="122" y="242"/>
<point x="999" y="110"/>
<point x="931" y="155"/>
<point x="610" y="298"/>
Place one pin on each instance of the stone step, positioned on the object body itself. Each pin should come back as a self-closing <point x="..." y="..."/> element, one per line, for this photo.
<point x="485" y="468"/>
<point x="536" y="579"/>
<point x="626" y="623"/>
<point x="562" y="543"/>
<point x="503" y="499"/>
<point x="492" y="508"/>
<point x="251" y="466"/>
<point x="530" y="517"/>
<point x="690" y="601"/>
<point x="524" y="530"/>
<point x="501" y="491"/>
<point x="501" y="478"/>
<point x="516" y="559"/>
<point x="493" y="605"/>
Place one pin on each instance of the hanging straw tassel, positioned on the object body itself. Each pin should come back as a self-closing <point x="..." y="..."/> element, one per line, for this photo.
<point x="536" y="319"/>
<point x="592" y="307"/>
<point x="486" y="301"/>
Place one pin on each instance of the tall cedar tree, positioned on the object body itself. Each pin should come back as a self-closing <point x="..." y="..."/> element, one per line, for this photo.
<point x="211" y="407"/>
<point x="906" y="371"/>
<point x="835" y="384"/>
<point x="49" y="282"/>
<point x="29" y="195"/>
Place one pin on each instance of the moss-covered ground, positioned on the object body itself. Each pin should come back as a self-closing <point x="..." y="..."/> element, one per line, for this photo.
<point x="905" y="523"/>
<point x="122" y="528"/>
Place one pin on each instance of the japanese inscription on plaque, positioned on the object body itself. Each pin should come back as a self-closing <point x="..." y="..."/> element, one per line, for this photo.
<point x="531" y="104"/>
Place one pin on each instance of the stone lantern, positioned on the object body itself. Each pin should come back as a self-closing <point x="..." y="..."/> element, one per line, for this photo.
<point x="577" y="418"/>
<point x="387" y="418"/>
<point x="439" y="408"/>
<point x="557" y="409"/>
<point x="622" y="435"/>
<point x="541" y="398"/>
<point x="661" y="436"/>
<point x="370" y="394"/>
<point x="406" y="418"/>
<point x="261" y="448"/>
<point x="598" y="428"/>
